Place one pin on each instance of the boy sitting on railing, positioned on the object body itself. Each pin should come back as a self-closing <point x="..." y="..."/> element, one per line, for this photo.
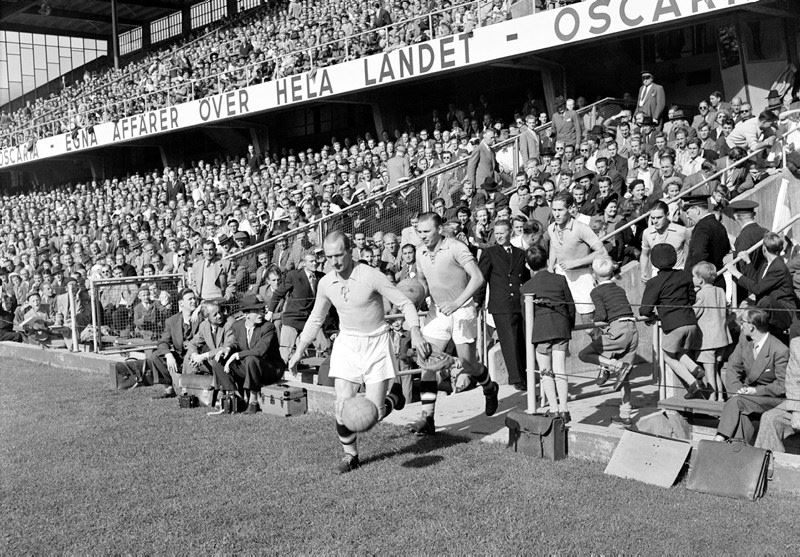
<point x="613" y="346"/>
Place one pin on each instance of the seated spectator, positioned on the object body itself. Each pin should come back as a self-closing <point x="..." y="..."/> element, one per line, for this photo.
<point x="169" y="360"/>
<point x="208" y="348"/>
<point x="783" y="420"/>
<point x="755" y="375"/>
<point x="253" y="357"/>
<point x="7" y="331"/>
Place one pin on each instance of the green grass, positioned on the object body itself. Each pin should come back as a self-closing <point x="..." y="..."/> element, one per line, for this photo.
<point x="88" y="470"/>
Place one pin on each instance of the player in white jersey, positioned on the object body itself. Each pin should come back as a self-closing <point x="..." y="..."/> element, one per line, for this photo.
<point x="452" y="277"/>
<point x="362" y="352"/>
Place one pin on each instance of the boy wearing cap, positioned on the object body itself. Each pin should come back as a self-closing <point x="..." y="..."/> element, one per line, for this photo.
<point x="670" y="295"/>
<point x="613" y="347"/>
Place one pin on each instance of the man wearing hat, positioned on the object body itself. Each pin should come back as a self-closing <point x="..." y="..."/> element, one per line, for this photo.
<point x="651" y="100"/>
<point x="709" y="239"/>
<point x="482" y="163"/>
<point x="750" y="233"/>
<point x="493" y="193"/>
<point x="253" y="356"/>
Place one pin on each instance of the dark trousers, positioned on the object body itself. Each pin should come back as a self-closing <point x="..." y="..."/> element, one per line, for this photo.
<point x="12" y="336"/>
<point x="250" y="374"/>
<point x="739" y="413"/>
<point x="161" y="374"/>
<point x="511" y="333"/>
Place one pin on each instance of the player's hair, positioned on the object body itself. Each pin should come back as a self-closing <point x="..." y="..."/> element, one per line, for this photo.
<point x="338" y="236"/>
<point x="659" y="204"/>
<point x="773" y="243"/>
<point x="431" y="216"/>
<point x="565" y="197"/>
<point x="536" y="257"/>
<point x="603" y="267"/>
<point x="705" y="271"/>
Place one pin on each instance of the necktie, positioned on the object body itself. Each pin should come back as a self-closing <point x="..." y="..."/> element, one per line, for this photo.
<point x="313" y="281"/>
<point x="249" y="336"/>
<point x="187" y="330"/>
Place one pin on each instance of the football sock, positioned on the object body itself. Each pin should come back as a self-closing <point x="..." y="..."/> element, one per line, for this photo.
<point x="427" y="395"/>
<point x="392" y="400"/>
<point x="483" y="379"/>
<point x="347" y="438"/>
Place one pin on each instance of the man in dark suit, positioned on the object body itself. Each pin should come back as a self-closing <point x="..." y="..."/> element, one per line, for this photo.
<point x="652" y="99"/>
<point x="254" y="359"/>
<point x="302" y="285"/>
<point x="750" y="233"/>
<point x="482" y="163"/>
<point x="709" y="240"/>
<point x="755" y="377"/>
<point x="503" y="267"/>
<point x="771" y="284"/>
<point x="167" y="360"/>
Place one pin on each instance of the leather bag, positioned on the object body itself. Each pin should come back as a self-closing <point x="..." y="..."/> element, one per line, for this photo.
<point x="537" y="435"/>
<point x="730" y="469"/>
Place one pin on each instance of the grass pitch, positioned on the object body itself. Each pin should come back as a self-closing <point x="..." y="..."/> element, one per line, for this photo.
<point x="88" y="470"/>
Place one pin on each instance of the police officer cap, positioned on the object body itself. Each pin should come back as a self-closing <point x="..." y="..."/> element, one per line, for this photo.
<point x="743" y="206"/>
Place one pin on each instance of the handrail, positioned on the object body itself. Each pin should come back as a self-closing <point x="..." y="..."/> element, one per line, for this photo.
<point x="741" y="256"/>
<point x="280" y="57"/>
<point x="683" y="194"/>
<point x="400" y="187"/>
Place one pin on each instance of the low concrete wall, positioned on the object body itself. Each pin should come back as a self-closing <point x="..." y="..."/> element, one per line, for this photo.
<point x="62" y="359"/>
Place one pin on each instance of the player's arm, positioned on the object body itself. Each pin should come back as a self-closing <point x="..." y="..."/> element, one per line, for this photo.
<point x="322" y="305"/>
<point x="475" y="283"/>
<point x="393" y="294"/>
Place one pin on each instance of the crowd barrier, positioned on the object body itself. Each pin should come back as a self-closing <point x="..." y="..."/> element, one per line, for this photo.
<point x="120" y="323"/>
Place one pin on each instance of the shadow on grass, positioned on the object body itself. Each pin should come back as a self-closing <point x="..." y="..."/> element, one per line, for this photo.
<point x="422" y="446"/>
<point x="423" y="461"/>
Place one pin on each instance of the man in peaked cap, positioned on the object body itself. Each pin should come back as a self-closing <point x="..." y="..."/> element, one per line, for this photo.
<point x="651" y="100"/>
<point x="744" y="213"/>
<point x="709" y="240"/>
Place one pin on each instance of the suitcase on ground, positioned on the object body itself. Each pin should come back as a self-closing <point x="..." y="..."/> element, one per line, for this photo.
<point x="283" y="400"/>
<point x="537" y="435"/>
<point x="124" y="375"/>
<point x="199" y="385"/>
<point x="731" y="469"/>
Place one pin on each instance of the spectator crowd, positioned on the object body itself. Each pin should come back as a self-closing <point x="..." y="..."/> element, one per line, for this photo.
<point x="279" y="39"/>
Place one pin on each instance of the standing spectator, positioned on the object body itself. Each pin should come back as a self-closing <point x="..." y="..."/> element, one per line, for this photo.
<point x="709" y="240"/>
<point x="398" y="166"/>
<point x="756" y="373"/>
<point x="651" y="97"/>
<point x="750" y="233"/>
<point x="529" y="140"/>
<point x="301" y="284"/>
<point x="713" y="335"/>
<point x="554" y="319"/>
<point x="208" y="277"/>
<point x="566" y="124"/>
<point x="671" y="294"/>
<point x="503" y="268"/>
<point x="482" y="164"/>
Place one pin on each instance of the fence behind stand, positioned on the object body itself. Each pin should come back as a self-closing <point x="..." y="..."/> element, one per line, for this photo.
<point x="120" y="322"/>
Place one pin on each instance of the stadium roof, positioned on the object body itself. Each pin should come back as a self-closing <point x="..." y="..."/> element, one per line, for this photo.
<point x="82" y="18"/>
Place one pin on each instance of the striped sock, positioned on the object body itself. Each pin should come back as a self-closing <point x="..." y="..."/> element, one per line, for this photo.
<point x="347" y="438"/>
<point x="427" y="395"/>
<point x="483" y="379"/>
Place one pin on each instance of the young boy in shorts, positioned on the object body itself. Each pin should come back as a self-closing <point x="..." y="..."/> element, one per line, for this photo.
<point x="711" y="311"/>
<point x="553" y="321"/>
<point x="671" y="294"/>
<point x="614" y="348"/>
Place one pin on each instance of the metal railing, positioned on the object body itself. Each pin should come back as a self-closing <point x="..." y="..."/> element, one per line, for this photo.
<point x="117" y="325"/>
